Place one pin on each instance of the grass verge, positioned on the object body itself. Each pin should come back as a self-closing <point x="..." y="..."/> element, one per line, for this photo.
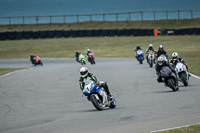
<point x="190" y="129"/>
<point x="110" y="47"/>
<point x="7" y="70"/>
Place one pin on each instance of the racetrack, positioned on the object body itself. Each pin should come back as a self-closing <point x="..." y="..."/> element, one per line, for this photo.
<point x="47" y="99"/>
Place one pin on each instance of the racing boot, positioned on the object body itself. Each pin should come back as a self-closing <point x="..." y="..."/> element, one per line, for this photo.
<point x="105" y="86"/>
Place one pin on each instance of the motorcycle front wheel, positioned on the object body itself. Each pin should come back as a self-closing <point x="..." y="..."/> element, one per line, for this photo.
<point x="183" y="77"/>
<point x="171" y="84"/>
<point x="97" y="103"/>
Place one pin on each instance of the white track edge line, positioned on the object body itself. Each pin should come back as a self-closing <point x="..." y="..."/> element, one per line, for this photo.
<point x="173" y="128"/>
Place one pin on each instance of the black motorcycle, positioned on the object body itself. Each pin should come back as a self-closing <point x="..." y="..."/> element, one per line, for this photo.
<point x="169" y="78"/>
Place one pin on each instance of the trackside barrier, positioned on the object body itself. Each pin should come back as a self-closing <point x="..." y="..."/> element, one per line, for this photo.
<point x="95" y="33"/>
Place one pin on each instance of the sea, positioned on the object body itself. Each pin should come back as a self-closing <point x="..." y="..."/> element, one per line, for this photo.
<point x="17" y="9"/>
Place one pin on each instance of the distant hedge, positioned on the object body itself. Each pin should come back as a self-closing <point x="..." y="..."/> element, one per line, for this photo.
<point x="94" y="33"/>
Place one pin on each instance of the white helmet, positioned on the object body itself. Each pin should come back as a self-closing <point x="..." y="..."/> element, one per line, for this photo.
<point x="175" y="55"/>
<point x="88" y="50"/>
<point x="84" y="72"/>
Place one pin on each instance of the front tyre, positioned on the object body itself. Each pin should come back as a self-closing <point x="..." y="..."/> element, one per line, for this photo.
<point x="97" y="103"/>
<point x="183" y="77"/>
<point x="171" y="84"/>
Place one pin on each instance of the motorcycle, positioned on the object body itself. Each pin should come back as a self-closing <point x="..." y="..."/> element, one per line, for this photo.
<point x="82" y="59"/>
<point x="140" y="56"/>
<point x="169" y="78"/>
<point x="182" y="73"/>
<point x="151" y="58"/>
<point x="97" y="95"/>
<point x="36" y="61"/>
<point x="91" y="58"/>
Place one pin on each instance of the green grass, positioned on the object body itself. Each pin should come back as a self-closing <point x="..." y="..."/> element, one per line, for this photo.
<point x="159" y="24"/>
<point x="187" y="46"/>
<point x="7" y="70"/>
<point x="190" y="129"/>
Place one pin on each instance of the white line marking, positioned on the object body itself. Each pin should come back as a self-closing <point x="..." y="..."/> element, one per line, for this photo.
<point x="195" y="76"/>
<point x="173" y="128"/>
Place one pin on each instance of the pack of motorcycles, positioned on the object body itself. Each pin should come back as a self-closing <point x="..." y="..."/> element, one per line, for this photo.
<point x="97" y="95"/>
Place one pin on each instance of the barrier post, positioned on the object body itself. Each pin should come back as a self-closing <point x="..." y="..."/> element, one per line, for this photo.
<point x="155" y="32"/>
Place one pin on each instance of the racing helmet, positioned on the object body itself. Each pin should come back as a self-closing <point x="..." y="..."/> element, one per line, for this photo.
<point x="161" y="60"/>
<point x="84" y="72"/>
<point x="175" y="56"/>
<point x="150" y="46"/>
<point x="138" y="46"/>
<point x="88" y="50"/>
<point x="160" y="47"/>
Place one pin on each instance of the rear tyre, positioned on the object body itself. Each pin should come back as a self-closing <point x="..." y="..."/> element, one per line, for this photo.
<point x="97" y="104"/>
<point x="171" y="84"/>
<point x="113" y="104"/>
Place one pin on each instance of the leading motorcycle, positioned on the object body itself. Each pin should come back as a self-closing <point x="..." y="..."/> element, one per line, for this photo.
<point x="36" y="61"/>
<point x="169" y="78"/>
<point x="140" y="56"/>
<point x="97" y="95"/>
<point x="182" y="73"/>
<point x="91" y="58"/>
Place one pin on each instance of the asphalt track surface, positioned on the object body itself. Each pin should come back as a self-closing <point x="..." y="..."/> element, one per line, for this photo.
<point x="47" y="99"/>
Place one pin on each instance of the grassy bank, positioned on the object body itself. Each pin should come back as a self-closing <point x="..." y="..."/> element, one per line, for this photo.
<point x="118" y="47"/>
<point x="7" y="70"/>
<point x="190" y="129"/>
<point x="159" y="24"/>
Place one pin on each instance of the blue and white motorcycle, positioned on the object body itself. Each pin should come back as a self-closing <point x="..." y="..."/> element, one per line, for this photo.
<point x="97" y="95"/>
<point x="140" y="56"/>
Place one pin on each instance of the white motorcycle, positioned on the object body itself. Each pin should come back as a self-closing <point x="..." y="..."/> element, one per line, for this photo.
<point x="182" y="73"/>
<point x="151" y="58"/>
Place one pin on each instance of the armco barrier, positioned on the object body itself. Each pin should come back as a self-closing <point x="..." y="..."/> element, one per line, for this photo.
<point x="67" y="33"/>
<point x="82" y="33"/>
<point x="89" y="33"/>
<point x="51" y="34"/>
<point x="43" y="34"/>
<point x="94" y="33"/>
<point x="59" y="33"/>
<point x="75" y="33"/>
<point x="197" y="31"/>
<point x="36" y="34"/>
<point x="27" y="34"/>
<point x="3" y="36"/>
<point x="11" y="35"/>
<point x="19" y="35"/>
<point x="97" y="33"/>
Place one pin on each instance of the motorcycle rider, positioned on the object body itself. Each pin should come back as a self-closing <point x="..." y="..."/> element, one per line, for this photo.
<point x="136" y="49"/>
<point x="150" y="48"/>
<point x="77" y="56"/>
<point x="85" y="74"/>
<point x="161" y="51"/>
<point x="175" y="59"/>
<point x="88" y="51"/>
<point x="160" y="63"/>
<point x="32" y="58"/>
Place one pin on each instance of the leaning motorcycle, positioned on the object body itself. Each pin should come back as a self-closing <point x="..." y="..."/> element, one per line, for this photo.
<point x="151" y="58"/>
<point x="82" y="59"/>
<point x="140" y="56"/>
<point x="168" y="77"/>
<point x="36" y="61"/>
<point x="97" y="95"/>
<point x="91" y="58"/>
<point x="182" y="73"/>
